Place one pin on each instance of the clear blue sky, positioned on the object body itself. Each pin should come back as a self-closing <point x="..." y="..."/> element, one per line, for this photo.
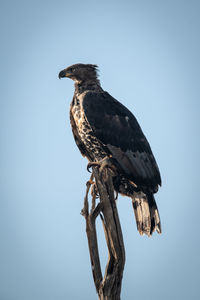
<point x="148" y="56"/>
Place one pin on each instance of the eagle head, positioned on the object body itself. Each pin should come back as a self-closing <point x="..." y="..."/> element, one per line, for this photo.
<point x="80" y="72"/>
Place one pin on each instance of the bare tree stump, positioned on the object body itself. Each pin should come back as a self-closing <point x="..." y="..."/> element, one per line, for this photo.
<point x="109" y="287"/>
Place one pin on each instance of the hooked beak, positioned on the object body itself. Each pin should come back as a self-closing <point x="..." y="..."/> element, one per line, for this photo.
<point x="64" y="73"/>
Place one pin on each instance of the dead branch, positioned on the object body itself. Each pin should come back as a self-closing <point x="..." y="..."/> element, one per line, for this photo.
<point x="109" y="287"/>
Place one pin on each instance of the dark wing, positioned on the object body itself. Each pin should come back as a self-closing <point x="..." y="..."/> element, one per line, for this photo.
<point x="118" y="130"/>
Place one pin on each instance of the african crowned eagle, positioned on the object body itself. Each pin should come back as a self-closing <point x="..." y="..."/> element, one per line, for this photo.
<point x="105" y="128"/>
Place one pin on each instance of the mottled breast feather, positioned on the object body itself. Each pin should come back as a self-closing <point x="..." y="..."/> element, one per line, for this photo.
<point x="84" y="136"/>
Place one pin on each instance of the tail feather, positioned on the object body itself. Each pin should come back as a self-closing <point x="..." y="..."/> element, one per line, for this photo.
<point x="146" y="213"/>
<point x="154" y="213"/>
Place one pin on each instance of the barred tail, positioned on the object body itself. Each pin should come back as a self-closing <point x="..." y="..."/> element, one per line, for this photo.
<point x="146" y="213"/>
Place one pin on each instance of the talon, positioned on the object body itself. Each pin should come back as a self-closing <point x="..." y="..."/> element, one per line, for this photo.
<point x="107" y="162"/>
<point x="92" y="164"/>
<point x="88" y="168"/>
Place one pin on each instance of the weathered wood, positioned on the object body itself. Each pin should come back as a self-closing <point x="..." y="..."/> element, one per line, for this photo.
<point x="109" y="287"/>
<point x="92" y="236"/>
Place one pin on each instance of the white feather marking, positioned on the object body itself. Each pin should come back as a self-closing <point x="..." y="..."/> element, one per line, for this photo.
<point x="127" y="118"/>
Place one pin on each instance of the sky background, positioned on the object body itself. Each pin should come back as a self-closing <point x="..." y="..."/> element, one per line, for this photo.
<point x="148" y="56"/>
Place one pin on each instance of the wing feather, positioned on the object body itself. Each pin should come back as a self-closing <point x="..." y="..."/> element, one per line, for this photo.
<point x="118" y="130"/>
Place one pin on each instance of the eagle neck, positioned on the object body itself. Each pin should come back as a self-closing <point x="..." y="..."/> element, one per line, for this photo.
<point x="88" y="85"/>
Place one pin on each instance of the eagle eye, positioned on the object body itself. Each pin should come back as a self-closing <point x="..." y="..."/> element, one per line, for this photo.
<point x="71" y="70"/>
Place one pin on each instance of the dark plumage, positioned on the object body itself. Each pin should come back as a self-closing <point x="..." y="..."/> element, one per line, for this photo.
<point x="103" y="127"/>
